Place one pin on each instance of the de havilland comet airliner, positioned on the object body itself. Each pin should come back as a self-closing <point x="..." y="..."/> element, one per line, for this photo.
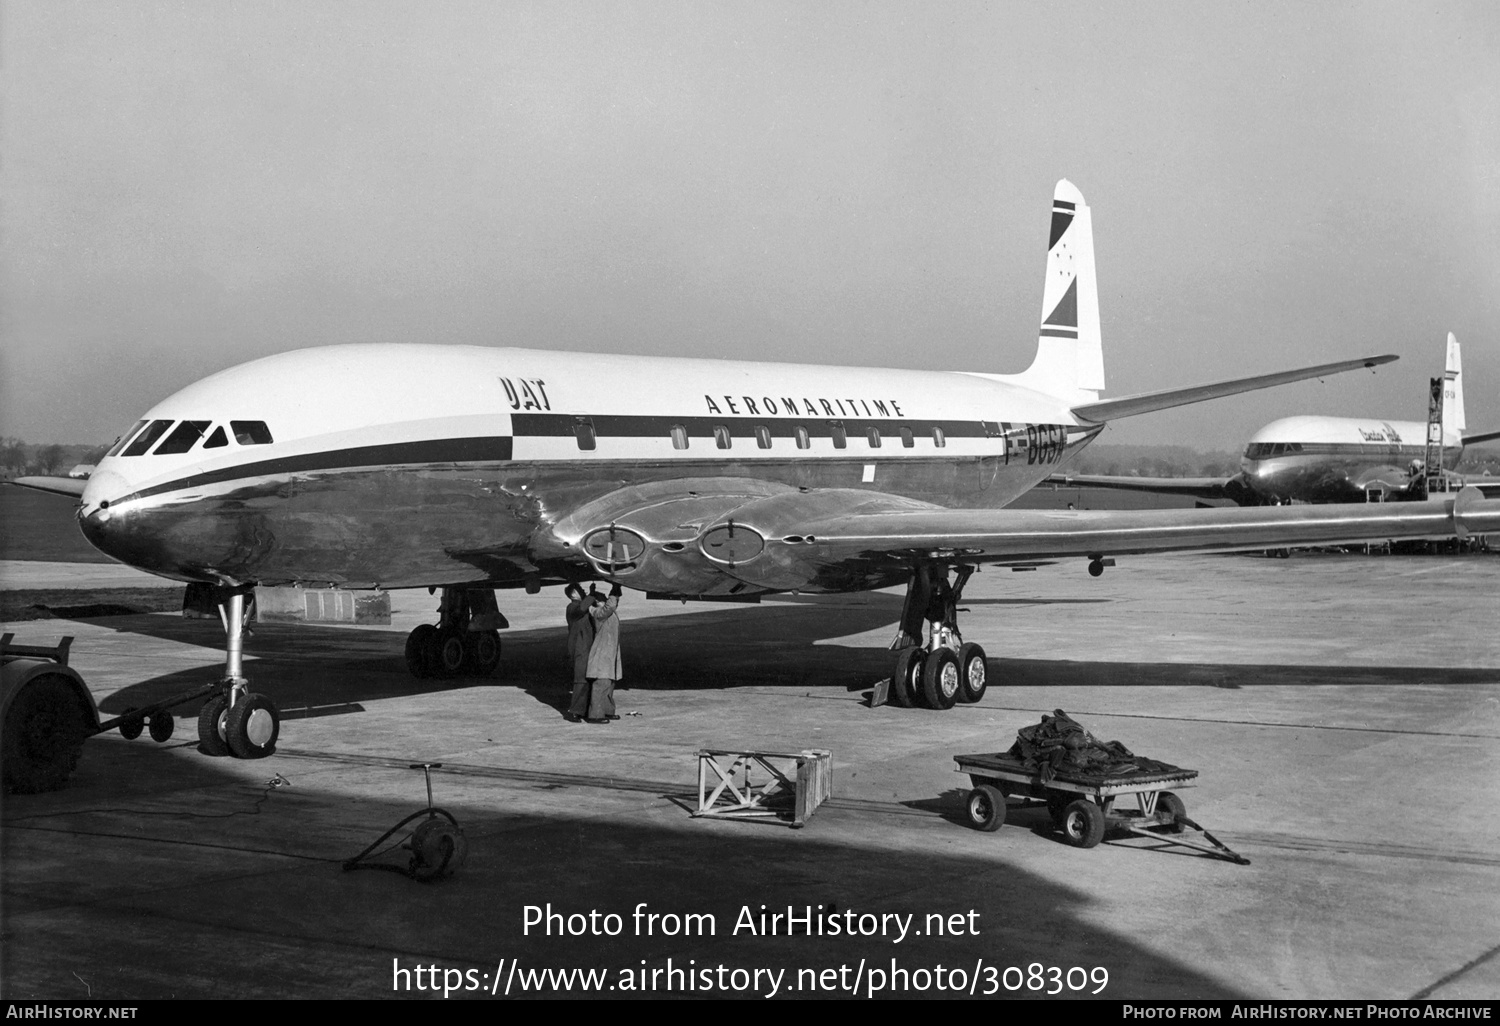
<point x="1331" y="459"/>
<point x="473" y="469"/>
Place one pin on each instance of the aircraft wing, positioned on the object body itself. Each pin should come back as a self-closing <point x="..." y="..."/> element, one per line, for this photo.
<point x="1199" y="487"/>
<point x="73" y="486"/>
<point x="874" y="545"/>
<point x="1149" y="402"/>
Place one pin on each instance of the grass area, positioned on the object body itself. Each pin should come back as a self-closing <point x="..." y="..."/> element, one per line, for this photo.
<point x="61" y="604"/>
<point x="35" y="525"/>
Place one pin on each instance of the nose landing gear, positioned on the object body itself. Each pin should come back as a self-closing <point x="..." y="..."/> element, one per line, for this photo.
<point x="235" y="720"/>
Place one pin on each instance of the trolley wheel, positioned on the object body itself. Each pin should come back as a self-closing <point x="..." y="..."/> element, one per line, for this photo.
<point x="986" y="808"/>
<point x="940" y="679"/>
<point x="211" y="726"/>
<point x="161" y="725"/>
<point x="1170" y="811"/>
<point x="906" y="677"/>
<point x="446" y="652"/>
<point x="971" y="667"/>
<point x="482" y="650"/>
<point x="1083" y="823"/>
<point x="418" y="645"/>
<point x="131" y="726"/>
<point x="252" y="726"/>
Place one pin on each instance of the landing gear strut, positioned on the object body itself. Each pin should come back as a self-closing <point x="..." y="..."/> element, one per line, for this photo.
<point x="235" y="720"/>
<point x="464" y="641"/>
<point x="946" y="669"/>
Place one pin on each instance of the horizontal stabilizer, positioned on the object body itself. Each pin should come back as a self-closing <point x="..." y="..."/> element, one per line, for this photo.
<point x="1149" y="402"/>
<point x="1481" y="436"/>
<point x="73" y="486"/>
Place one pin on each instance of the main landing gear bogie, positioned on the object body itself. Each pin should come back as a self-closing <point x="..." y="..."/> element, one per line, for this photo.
<point x="464" y="641"/>
<point x="946" y="670"/>
<point x="450" y="652"/>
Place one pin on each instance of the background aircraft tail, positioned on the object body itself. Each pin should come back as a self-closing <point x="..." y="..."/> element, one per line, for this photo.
<point x="1070" y="352"/>
<point x="1453" y="391"/>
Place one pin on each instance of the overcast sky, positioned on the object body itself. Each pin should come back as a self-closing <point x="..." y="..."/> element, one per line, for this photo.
<point x="190" y="185"/>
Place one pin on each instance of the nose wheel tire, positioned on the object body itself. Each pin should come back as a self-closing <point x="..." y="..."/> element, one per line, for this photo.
<point x="211" y="726"/>
<point x="940" y="679"/>
<point x="252" y="727"/>
<point x="971" y="673"/>
<point x="986" y="808"/>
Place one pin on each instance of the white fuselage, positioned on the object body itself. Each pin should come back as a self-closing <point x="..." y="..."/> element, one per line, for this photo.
<point x="401" y="465"/>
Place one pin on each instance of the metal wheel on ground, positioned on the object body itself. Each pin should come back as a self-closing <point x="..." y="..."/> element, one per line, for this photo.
<point x="986" y="808"/>
<point x="940" y="679"/>
<point x="906" y="677"/>
<point x="418" y="645"/>
<point x="1170" y="811"/>
<point x="211" y="726"/>
<point x="971" y="678"/>
<point x="1083" y="823"/>
<point x="252" y="727"/>
<point x="482" y="650"/>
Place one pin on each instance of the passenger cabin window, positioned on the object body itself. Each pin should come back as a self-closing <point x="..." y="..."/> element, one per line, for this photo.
<point x="583" y="430"/>
<point x="721" y="436"/>
<point x="250" y="432"/>
<point x="147" y="438"/>
<point x="804" y="440"/>
<point x="217" y="439"/>
<point x="126" y="437"/>
<point x="872" y="435"/>
<point x="907" y="441"/>
<point x="184" y="438"/>
<point x="840" y="437"/>
<point x="679" y="437"/>
<point x="762" y="436"/>
<point x="938" y="438"/>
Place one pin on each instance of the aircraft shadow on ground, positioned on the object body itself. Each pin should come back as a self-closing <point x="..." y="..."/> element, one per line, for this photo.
<point x="222" y="847"/>
<point x="770" y="645"/>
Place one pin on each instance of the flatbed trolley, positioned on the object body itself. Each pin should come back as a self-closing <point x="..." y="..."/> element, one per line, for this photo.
<point x="1084" y="806"/>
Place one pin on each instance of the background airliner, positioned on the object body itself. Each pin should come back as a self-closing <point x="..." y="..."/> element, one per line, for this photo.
<point x="1328" y="459"/>
<point x="471" y="469"/>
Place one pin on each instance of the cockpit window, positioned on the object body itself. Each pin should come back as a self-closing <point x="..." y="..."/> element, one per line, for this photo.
<point x="147" y="438"/>
<point x="217" y="439"/>
<point x="184" y="438"/>
<point x="250" y="432"/>
<point x="126" y="437"/>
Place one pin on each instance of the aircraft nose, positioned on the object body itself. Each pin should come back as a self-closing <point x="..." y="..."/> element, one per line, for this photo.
<point x="104" y="487"/>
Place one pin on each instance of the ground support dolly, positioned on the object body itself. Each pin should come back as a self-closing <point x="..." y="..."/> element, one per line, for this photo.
<point x="794" y="784"/>
<point x="1085" y="807"/>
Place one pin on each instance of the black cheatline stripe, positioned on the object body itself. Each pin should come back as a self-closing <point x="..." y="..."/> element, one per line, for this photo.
<point x="1064" y="204"/>
<point x="560" y="425"/>
<point x="485" y="449"/>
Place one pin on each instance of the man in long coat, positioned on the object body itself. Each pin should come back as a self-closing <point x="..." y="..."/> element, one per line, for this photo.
<point x="580" y="640"/>
<point x="604" y="658"/>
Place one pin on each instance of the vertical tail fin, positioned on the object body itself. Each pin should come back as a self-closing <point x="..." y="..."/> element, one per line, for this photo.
<point x="1453" y="391"/>
<point x="1070" y="352"/>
